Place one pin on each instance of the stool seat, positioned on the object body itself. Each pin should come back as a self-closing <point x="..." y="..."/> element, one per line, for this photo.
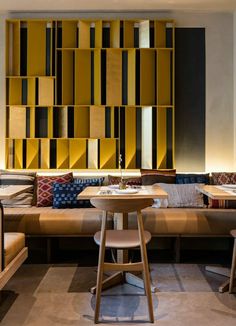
<point x="233" y="233"/>
<point x="122" y="239"/>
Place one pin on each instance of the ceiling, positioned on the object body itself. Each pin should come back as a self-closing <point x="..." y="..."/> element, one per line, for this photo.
<point x="117" y="5"/>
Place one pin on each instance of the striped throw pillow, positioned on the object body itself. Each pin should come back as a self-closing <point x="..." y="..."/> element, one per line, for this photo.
<point x="18" y="178"/>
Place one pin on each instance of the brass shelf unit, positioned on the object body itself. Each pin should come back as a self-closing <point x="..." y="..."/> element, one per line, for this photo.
<point x="80" y="92"/>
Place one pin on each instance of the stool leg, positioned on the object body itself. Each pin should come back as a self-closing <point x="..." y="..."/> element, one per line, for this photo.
<point x="100" y="267"/>
<point x="233" y="268"/>
<point x="146" y="275"/>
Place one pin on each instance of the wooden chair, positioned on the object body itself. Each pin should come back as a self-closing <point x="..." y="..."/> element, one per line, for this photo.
<point x="233" y="265"/>
<point x="12" y="250"/>
<point x="120" y="239"/>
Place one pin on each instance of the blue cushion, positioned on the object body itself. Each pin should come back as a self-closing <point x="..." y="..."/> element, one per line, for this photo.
<point x="65" y="195"/>
<point x="90" y="181"/>
<point x="182" y="178"/>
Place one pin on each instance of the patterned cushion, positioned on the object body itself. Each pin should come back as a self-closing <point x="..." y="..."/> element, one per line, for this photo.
<point x="181" y="195"/>
<point x="150" y="177"/>
<point x="65" y="195"/>
<point x="18" y="178"/>
<point x="219" y="178"/>
<point x="133" y="181"/>
<point x="182" y="178"/>
<point x="90" y="181"/>
<point x="45" y="188"/>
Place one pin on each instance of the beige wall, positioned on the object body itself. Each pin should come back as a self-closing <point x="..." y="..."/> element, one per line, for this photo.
<point x="220" y="112"/>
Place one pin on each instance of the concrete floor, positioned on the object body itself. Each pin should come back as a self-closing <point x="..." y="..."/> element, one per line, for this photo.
<point x="46" y="295"/>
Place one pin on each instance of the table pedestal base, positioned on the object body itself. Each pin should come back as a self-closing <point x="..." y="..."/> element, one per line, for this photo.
<point x="122" y="277"/>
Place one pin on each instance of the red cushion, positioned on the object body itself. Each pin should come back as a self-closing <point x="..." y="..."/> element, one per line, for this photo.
<point x="131" y="181"/>
<point x="220" y="178"/>
<point x="150" y="177"/>
<point x="45" y="188"/>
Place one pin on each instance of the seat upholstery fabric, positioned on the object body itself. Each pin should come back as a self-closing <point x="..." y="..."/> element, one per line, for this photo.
<point x="13" y="244"/>
<point x="187" y="221"/>
<point x="48" y="221"/>
<point x="87" y="221"/>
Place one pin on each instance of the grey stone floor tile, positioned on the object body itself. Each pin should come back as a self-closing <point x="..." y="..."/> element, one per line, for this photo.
<point x="57" y="279"/>
<point x="19" y="311"/>
<point x="27" y="278"/>
<point x="191" y="278"/>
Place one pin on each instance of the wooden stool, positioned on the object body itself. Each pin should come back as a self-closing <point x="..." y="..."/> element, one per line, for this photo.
<point x="120" y="239"/>
<point x="233" y="265"/>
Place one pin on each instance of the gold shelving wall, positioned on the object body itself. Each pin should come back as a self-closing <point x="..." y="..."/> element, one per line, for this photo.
<point x="80" y="92"/>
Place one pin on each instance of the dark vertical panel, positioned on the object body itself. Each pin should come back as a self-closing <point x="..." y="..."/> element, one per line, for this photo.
<point x="151" y="37"/>
<point x="154" y="138"/>
<point x="59" y="37"/>
<point x="98" y="153"/>
<point x="106" y="37"/>
<point x="155" y="78"/>
<point x="169" y="137"/>
<point x="169" y="38"/>
<point x="136" y="37"/>
<point x="55" y="123"/>
<point x="39" y="155"/>
<point x="70" y="122"/>
<point x="77" y="37"/>
<point x="24" y="153"/>
<point x="103" y="77"/>
<point x="41" y="122"/>
<point x="116" y="122"/>
<point x="92" y="37"/>
<point x="108" y="122"/>
<point x="24" y="91"/>
<point x="13" y="153"/>
<point x="122" y="135"/>
<point x="53" y="48"/>
<point x="137" y="74"/>
<point x="124" y="77"/>
<point x="121" y="36"/>
<point x="138" y="137"/>
<point x="48" y="50"/>
<point x="53" y="154"/>
<point x="190" y="99"/>
<point x="86" y="153"/>
<point x="59" y="77"/>
<point x="117" y="154"/>
<point x="23" y="51"/>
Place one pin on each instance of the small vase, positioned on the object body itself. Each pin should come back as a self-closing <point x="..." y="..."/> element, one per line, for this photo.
<point x="122" y="184"/>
